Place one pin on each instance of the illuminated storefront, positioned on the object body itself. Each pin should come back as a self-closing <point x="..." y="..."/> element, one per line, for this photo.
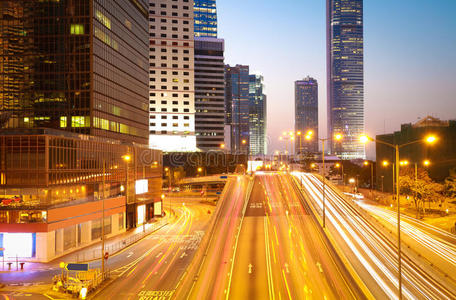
<point x="52" y="190"/>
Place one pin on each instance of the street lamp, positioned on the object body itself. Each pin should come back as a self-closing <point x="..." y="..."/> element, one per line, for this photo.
<point x="341" y="166"/>
<point x="431" y="139"/>
<point x="367" y="163"/>
<point x="336" y="137"/>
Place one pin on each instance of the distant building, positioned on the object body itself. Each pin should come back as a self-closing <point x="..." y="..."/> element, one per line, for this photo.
<point x="257" y="115"/>
<point x="306" y="114"/>
<point x="442" y="154"/>
<point x="345" y="76"/>
<point x="205" y="16"/>
<point x="209" y="93"/>
<point x="237" y="87"/>
<point x="171" y="71"/>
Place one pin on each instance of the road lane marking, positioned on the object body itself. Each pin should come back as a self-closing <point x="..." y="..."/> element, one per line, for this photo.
<point x="129" y="254"/>
<point x="158" y="255"/>
<point x="319" y="267"/>
<point x="183" y="255"/>
<point x="268" y="261"/>
<point x="250" y="268"/>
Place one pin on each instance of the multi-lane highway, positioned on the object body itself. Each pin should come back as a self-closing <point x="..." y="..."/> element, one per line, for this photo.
<point x="372" y="251"/>
<point x="155" y="268"/>
<point x="268" y="246"/>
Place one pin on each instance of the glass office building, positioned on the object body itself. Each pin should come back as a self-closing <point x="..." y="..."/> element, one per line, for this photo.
<point x="306" y="114"/>
<point x="79" y="66"/>
<point x="237" y="88"/>
<point x="257" y="115"/>
<point x="345" y="76"/>
<point x="73" y="102"/>
<point x="205" y="16"/>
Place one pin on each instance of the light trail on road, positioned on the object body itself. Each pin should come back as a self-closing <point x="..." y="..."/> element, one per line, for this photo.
<point x="375" y="252"/>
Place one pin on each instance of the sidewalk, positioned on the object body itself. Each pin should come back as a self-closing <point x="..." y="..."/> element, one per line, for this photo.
<point x="92" y="252"/>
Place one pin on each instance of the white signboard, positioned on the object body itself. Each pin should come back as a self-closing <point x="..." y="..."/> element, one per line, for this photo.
<point x="141" y="186"/>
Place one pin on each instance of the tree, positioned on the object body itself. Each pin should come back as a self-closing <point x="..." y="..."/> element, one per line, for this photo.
<point x="449" y="187"/>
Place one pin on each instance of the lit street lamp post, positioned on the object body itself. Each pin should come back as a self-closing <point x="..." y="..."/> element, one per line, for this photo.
<point x="367" y="163"/>
<point x="430" y="140"/>
<point x="337" y="137"/>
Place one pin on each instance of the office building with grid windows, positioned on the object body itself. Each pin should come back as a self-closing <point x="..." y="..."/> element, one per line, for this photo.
<point x="306" y="114"/>
<point x="171" y="76"/>
<point x="74" y="113"/>
<point x="345" y="76"/>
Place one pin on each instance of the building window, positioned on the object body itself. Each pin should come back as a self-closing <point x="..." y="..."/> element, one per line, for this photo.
<point x="77" y="29"/>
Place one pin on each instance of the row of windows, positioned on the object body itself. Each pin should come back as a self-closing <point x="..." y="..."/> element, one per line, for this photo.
<point x="185" y="73"/>
<point x="164" y="50"/>
<point x="173" y="80"/>
<point x="186" y="29"/>
<point x="175" y="88"/>
<point x="165" y="117"/>
<point x="163" y="5"/>
<point x="164" y="109"/>
<point x="163" y="13"/>
<point x="185" y="58"/>
<point x="174" y="36"/>
<point x="164" y="43"/>
<point x="165" y="65"/>
<point x="174" y="124"/>
<point x="164" y="102"/>
<point x="166" y="132"/>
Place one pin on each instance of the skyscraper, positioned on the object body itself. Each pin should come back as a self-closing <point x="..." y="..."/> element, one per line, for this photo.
<point x="74" y="104"/>
<point x="209" y="93"/>
<point x="171" y="60"/>
<point x="237" y="106"/>
<point x="306" y="113"/>
<point x="79" y="66"/>
<point x="257" y="115"/>
<point x="245" y="105"/>
<point x="205" y="18"/>
<point x="345" y="75"/>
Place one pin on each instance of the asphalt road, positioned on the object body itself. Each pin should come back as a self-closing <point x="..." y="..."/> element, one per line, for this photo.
<point x="156" y="267"/>
<point x="268" y="246"/>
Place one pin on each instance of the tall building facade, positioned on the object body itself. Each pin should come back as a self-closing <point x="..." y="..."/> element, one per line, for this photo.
<point x="306" y="113"/>
<point x="171" y="75"/>
<point x="209" y="93"/>
<point x="74" y="107"/>
<point x="205" y="15"/>
<point x="245" y="108"/>
<point x="237" y="89"/>
<point x="257" y="116"/>
<point x="345" y="76"/>
<point x="78" y="66"/>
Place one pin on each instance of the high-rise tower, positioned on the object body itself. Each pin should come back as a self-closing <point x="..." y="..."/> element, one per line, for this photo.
<point x="306" y="114"/>
<point x="345" y="75"/>
<point x="172" y="91"/>
<point x="205" y="18"/>
<point x="257" y="115"/>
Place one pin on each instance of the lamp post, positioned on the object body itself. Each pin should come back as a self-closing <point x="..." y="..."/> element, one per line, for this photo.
<point x="337" y="137"/>
<point x="367" y="163"/>
<point x="222" y="146"/>
<point x="430" y="140"/>
<point x="341" y="166"/>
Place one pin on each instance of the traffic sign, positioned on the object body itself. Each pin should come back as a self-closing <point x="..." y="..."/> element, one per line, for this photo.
<point x="106" y="256"/>
<point x="223" y="177"/>
<point x="77" y="267"/>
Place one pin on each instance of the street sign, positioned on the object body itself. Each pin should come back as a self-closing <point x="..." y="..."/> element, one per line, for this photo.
<point x="223" y="177"/>
<point x="106" y="256"/>
<point x="77" y="267"/>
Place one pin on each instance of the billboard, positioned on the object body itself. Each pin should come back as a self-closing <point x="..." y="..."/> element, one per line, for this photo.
<point x="158" y="208"/>
<point x="141" y="186"/>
